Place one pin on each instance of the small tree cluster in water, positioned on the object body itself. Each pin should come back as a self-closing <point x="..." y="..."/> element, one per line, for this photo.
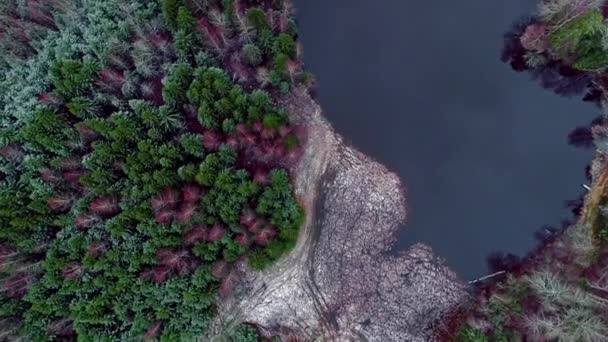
<point x="142" y="156"/>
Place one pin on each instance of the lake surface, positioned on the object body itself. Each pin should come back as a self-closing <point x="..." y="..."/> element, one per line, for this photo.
<point x="419" y="86"/>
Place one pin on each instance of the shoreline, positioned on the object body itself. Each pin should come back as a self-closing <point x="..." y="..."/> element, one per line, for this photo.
<point x="341" y="282"/>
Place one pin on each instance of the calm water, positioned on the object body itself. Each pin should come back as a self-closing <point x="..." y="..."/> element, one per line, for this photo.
<point x="419" y="86"/>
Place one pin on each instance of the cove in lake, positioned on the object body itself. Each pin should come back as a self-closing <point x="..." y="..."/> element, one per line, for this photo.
<point x="419" y="86"/>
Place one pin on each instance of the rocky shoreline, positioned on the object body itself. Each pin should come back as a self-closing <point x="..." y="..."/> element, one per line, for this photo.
<point x="341" y="282"/>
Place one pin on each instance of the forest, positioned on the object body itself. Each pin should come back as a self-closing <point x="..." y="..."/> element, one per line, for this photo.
<point x="143" y="155"/>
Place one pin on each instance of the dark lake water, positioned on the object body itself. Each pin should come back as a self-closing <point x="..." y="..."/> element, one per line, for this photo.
<point x="419" y="86"/>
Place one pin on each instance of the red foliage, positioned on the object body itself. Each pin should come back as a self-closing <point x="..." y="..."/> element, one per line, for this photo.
<point x="513" y="52"/>
<point x="212" y="140"/>
<point x="69" y="164"/>
<point x="242" y="239"/>
<point x="260" y="176"/>
<point x="157" y="274"/>
<point x="167" y="199"/>
<point x="531" y="304"/>
<point x="257" y="126"/>
<point x="241" y="128"/>
<point x="280" y="152"/>
<point x="257" y="225"/>
<point x="154" y="330"/>
<point x="563" y="255"/>
<point x="16" y="285"/>
<point x="112" y="77"/>
<point x="147" y="273"/>
<point x="49" y="99"/>
<point x="248" y="217"/>
<point x="232" y="141"/>
<point x="60" y="203"/>
<point x="284" y="130"/>
<point x="167" y="257"/>
<point x="12" y="152"/>
<point x="257" y="152"/>
<point x="264" y="237"/>
<point x="185" y="213"/>
<point x="238" y="70"/>
<point x="196" y="234"/>
<point x="105" y="205"/>
<point x="534" y="37"/>
<point x="180" y="261"/>
<point x="85" y="220"/>
<point x="268" y="133"/>
<point x="96" y="248"/>
<point x="191" y="192"/>
<point x="190" y="265"/>
<point x="152" y="91"/>
<point x="72" y="270"/>
<point x="38" y="13"/>
<point x="164" y="216"/>
<point x="283" y="19"/>
<point x="73" y="175"/>
<point x="267" y="149"/>
<point x="6" y="252"/>
<point x="61" y="328"/>
<point x="49" y="175"/>
<point x="292" y="67"/>
<point x="213" y="35"/>
<point x="216" y="232"/>
<point x="452" y="321"/>
<point x="293" y="155"/>
<point x="119" y="61"/>
<point x="219" y="268"/>
<point x="510" y="263"/>
<point x="248" y="139"/>
<point x="227" y="285"/>
<point x="300" y="132"/>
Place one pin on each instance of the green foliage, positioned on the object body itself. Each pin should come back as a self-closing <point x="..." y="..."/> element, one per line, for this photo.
<point x="591" y="53"/>
<point x="72" y="77"/>
<point x="284" y="44"/>
<point x="185" y="20"/>
<point x="251" y="54"/>
<point x="209" y="84"/>
<point x="192" y="144"/>
<point x="244" y="333"/>
<point x="184" y="37"/>
<point x="261" y="99"/>
<point x="48" y="130"/>
<point x="170" y="10"/>
<point x="177" y="84"/>
<point x="257" y="19"/>
<point x="231" y="191"/>
<point x="82" y="107"/>
<point x="582" y="38"/>
<point x="285" y="213"/>
<point x="24" y="215"/>
<point x="272" y="121"/>
<point x="468" y="334"/>
<point x="291" y="141"/>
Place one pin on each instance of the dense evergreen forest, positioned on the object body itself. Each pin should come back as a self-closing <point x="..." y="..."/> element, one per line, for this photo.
<point x="142" y="155"/>
<point x="560" y="291"/>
